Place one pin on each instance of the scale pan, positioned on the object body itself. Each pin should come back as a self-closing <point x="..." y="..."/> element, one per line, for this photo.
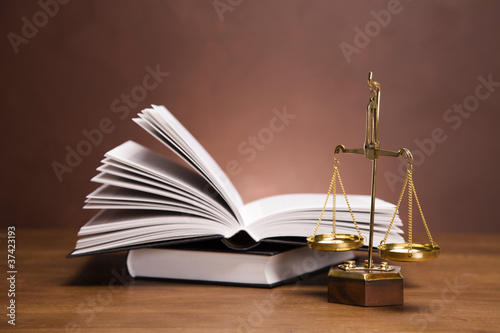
<point x="334" y="242"/>
<point x="401" y="252"/>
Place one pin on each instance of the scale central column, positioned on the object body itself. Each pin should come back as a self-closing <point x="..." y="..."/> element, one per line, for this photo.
<point x="372" y="213"/>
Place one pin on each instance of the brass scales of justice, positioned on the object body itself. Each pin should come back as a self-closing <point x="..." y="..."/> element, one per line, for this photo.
<point x="370" y="284"/>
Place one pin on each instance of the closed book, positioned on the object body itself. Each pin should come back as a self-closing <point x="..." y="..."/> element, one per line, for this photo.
<point x="263" y="267"/>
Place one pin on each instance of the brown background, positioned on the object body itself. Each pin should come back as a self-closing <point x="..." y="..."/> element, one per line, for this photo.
<point x="226" y="77"/>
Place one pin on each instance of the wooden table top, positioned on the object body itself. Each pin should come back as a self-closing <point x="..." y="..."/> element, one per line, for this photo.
<point x="460" y="291"/>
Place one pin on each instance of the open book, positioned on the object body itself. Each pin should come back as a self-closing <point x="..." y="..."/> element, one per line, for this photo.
<point x="149" y="200"/>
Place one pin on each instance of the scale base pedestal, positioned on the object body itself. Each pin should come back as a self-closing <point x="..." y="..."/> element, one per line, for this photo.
<point x="364" y="287"/>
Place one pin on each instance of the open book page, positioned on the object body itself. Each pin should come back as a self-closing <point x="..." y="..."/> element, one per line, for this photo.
<point x="279" y="204"/>
<point x="139" y="168"/>
<point x="159" y="122"/>
<point x="113" y="197"/>
<point x="136" y="227"/>
<point x="298" y="214"/>
<point x="174" y="192"/>
<point x="116" y="181"/>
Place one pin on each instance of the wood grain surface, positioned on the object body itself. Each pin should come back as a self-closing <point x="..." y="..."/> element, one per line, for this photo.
<point x="457" y="292"/>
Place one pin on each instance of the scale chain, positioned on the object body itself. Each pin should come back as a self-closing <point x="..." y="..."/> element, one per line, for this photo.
<point x="333" y="185"/>
<point x="327" y="196"/>
<point x="410" y="210"/>
<point x="397" y="209"/>
<point x="334" y="197"/>
<point x="411" y="192"/>
<point x="348" y="205"/>
<point x="423" y="218"/>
